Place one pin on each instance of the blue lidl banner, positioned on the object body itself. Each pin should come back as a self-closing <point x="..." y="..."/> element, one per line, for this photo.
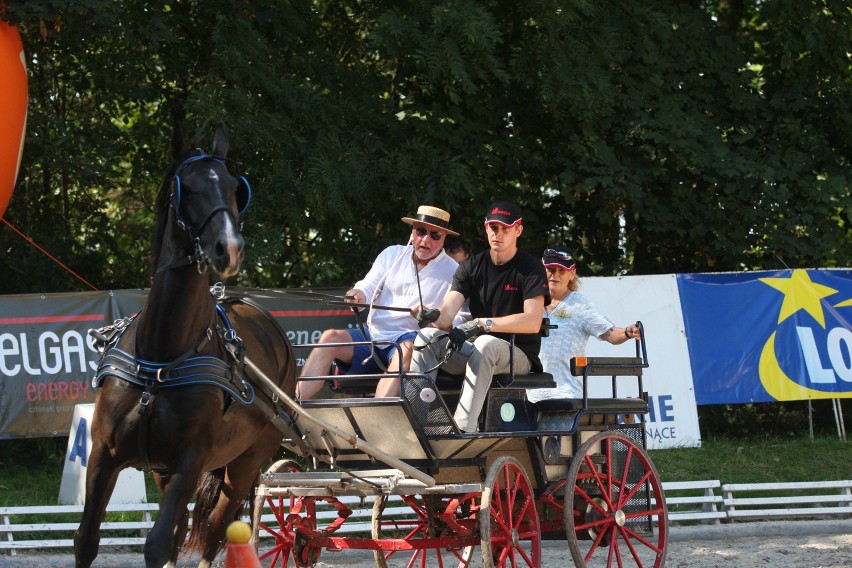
<point x="766" y="336"/>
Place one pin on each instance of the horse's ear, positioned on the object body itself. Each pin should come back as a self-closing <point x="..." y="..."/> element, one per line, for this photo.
<point x="220" y="142"/>
<point x="177" y="142"/>
<point x="178" y="117"/>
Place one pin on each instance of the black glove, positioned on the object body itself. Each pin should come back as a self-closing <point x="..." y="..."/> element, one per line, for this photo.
<point x="427" y="316"/>
<point x="458" y="335"/>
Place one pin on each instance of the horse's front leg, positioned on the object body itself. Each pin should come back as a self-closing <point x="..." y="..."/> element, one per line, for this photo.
<point x="180" y="534"/>
<point x="162" y="545"/>
<point x="162" y="481"/>
<point x="101" y="476"/>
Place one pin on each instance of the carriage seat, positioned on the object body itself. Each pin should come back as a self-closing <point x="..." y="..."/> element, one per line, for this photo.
<point x="619" y="405"/>
<point x="565" y="414"/>
<point x="506" y="407"/>
<point x="446" y="383"/>
<point x="361" y="387"/>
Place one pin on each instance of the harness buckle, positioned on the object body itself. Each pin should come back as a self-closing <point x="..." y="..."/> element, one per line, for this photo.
<point x="146" y="398"/>
<point x="218" y="290"/>
<point x="200" y="257"/>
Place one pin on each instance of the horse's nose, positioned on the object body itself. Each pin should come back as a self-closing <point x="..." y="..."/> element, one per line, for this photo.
<point x="228" y="252"/>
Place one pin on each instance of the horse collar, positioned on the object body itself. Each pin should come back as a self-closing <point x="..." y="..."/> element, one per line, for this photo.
<point x="191" y="367"/>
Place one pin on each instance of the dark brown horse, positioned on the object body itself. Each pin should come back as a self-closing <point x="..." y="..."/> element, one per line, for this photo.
<point x="175" y="396"/>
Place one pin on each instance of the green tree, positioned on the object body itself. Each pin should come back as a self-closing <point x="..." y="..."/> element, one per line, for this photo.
<point x="650" y="136"/>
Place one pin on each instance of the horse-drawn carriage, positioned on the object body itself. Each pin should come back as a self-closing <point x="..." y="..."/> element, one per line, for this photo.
<point x="198" y="389"/>
<point x="572" y="469"/>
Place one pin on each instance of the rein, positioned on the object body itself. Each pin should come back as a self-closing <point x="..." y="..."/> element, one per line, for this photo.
<point x="199" y="258"/>
<point x="441" y="360"/>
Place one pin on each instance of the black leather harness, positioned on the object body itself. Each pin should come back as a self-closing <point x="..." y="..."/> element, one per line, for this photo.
<point x="193" y="367"/>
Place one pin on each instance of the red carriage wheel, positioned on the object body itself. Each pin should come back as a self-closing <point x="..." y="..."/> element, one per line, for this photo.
<point x="613" y="498"/>
<point x="442" y="532"/>
<point x="295" y="525"/>
<point x="282" y="530"/>
<point x="552" y="515"/>
<point x="508" y="519"/>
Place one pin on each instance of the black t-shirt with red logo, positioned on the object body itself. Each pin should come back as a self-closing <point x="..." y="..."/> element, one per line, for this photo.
<point x="500" y="290"/>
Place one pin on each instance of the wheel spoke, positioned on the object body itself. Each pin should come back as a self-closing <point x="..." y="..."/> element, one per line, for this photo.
<point x="612" y="496"/>
<point x="436" y="538"/>
<point x="605" y="491"/>
<point x="508" y="519"/>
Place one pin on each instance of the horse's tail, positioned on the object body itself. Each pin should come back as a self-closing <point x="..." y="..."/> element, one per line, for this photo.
<point x="206" y="498"/>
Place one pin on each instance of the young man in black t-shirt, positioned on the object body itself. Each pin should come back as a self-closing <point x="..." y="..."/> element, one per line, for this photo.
<point x="507" y="290"/>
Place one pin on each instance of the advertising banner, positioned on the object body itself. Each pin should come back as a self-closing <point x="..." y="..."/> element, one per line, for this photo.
<point x="653" y="300"/>
<point x="712" y="339"/>
<point x="47" y="359"/>
<point x="767" y="336"/>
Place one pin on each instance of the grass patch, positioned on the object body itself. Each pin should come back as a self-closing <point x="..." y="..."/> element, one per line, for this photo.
<point x="31" y="470"/>
<point x="757" y="460"/>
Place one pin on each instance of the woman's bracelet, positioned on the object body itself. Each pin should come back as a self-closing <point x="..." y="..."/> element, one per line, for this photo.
<point x="627" y="335"/>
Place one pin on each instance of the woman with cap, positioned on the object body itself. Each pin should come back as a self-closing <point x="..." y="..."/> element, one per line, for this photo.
<point x="577" y="320"/>
<point x="416" y="275"/>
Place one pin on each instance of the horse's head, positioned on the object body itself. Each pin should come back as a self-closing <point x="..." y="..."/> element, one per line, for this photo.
<point x="205" y="202"/>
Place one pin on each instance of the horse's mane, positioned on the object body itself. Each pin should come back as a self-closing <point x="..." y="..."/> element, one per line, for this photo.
<point x="162" y="211"/>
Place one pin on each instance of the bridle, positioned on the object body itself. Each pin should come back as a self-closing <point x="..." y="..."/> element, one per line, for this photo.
<point x="243" y="195"/>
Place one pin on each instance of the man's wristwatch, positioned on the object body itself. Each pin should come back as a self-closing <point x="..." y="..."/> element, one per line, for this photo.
<point x="488" y="324"/>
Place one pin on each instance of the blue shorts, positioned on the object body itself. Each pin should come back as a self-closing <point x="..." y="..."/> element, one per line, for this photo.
<point x="363" y="361"/>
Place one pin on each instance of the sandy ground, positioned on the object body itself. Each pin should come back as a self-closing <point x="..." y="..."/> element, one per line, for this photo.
<point x="815" y="544"/>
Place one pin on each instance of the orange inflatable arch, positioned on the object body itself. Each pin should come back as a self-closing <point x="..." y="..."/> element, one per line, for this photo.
<point x="13" y="109"/>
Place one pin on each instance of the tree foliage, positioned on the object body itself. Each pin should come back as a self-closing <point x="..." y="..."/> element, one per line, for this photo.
<point x="650" y="136"/>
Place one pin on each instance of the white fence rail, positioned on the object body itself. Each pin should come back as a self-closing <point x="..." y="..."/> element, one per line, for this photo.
<point x="787" y="499"/>
<point x="690" y="502"/>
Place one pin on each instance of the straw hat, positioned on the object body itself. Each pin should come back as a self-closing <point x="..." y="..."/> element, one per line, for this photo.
<point x="432" y="216"/>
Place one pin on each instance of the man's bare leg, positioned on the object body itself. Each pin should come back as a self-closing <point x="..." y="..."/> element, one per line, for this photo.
<point x="320" y="359"/>
<point x="389" y="386"/>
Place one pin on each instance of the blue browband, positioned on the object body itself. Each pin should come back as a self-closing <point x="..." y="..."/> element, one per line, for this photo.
<point x="243" y="200"/>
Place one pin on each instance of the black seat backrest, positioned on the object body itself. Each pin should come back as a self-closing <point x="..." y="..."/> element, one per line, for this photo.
<point x="448" y="382"/>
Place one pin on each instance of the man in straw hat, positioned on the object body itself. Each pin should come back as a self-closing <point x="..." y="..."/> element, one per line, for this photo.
<point x="507" y="290"/>
<point x="415" y="275"/>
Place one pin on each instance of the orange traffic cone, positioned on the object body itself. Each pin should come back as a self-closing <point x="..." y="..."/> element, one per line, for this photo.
<point x="240" y="553"/>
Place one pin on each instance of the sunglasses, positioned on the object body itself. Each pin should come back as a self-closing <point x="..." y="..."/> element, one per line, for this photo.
<point x="434" y="235"/>
<point x="550" y="253"/>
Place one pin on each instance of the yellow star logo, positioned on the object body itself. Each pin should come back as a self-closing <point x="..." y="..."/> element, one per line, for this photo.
<point x="800" y="293"/>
